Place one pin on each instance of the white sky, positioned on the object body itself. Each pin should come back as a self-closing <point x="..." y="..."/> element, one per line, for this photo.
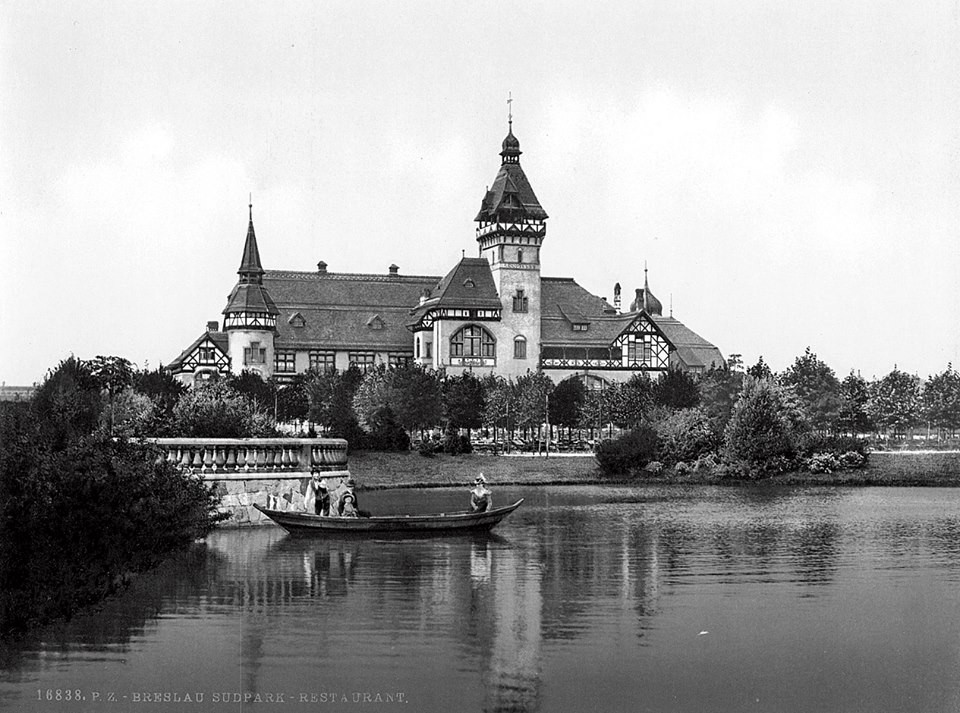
<point x="790" y="171"/>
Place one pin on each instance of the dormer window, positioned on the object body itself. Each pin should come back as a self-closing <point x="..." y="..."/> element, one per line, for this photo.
<point x="520" y="302"/>
<point x="469" y="283"/>
<point x="376" y="322"/>
<point x="580" y="326"/>
<point x="297" y="320"/>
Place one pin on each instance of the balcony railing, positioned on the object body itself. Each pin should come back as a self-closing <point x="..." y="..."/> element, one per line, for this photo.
<point x="237" y="458"/>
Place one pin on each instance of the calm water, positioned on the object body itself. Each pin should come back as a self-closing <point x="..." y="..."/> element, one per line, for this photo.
<point x="586" y="599"/>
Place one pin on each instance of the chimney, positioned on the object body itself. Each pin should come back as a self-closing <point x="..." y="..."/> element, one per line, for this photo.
<point x="322" y="267"/>
<point x="213" y="326"/>
<point x="394" y="269"/>
<point x="616" y="297"/>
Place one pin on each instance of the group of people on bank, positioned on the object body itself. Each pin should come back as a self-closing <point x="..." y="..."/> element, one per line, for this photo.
<point x="342" y="500"/>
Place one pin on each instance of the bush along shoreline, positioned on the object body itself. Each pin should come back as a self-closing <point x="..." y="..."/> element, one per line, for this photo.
<point x="82" y="510"/>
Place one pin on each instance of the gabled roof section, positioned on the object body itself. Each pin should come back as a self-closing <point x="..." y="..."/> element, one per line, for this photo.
<point x="219" y="340"/>
<point x="468" y="285"/>
<point x="692" y="349"/>
<point x="511" y="196"/>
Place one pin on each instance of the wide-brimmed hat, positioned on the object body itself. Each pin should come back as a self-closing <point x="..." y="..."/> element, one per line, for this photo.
<point x="480" y="479"/>
<point x="322" y="483"/>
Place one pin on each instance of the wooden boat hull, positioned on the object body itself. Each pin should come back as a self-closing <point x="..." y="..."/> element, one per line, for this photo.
<point x="302" y="523"/>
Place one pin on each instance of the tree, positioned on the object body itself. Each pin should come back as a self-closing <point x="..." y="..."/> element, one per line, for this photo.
<point x="759" y="438"/>
<point x="853" y="416"/>
<point x="627" y="404"/>
<point x="463" y="400"/>
<point x="410" y="392"/>
<point x="566" y="401"/>
<point x="720" y="389"/>
<point x="68" y="402"/>
<point x="533" y="388"/>
<point x="818" y="389"/>
<point x="501" y="403"/>
<point x="895" y="402"/>
<point x="216" y="410"/>
<point x="253" y="386"/>
<point x="293" y="401"/>
<point x="760" y="370"/>
<point x="331" y="403"/>
<point x="676" y="389"/>
<point x="941" y="401"/>
<point x="162" y="388"/>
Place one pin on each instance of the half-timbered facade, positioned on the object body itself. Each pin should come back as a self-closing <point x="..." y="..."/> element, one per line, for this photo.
<point x="494" y="313"/>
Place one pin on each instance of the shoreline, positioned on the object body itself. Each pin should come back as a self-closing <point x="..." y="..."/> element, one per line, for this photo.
<point x="396" y="471"/>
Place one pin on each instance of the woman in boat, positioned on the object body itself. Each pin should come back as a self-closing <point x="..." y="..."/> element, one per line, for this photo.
<point x="481" y="499"/>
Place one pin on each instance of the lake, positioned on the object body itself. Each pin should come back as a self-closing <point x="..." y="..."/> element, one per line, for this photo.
<point x="598" y="598"/>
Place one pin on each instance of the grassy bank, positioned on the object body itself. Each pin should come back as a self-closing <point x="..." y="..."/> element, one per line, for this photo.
<point x="410" y="470"/>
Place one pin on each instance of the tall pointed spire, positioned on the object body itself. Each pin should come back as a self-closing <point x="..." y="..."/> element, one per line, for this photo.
<point x="251" y="270"/>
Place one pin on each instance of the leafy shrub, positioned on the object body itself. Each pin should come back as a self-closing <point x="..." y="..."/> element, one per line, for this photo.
<point x="215" y="410"/>
<point x="822" y="463"/>
<point x="852" y="460"/>
<point x="631" y="451"/>
<point x="684" y="435"/>
<point x="465" y="445"/>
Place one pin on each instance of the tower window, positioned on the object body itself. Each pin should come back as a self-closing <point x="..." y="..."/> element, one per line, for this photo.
<point x="519" y="348"/>
<point x="472" y="341"/>
<point x="519" y="254"/>
<point x="254" y="354"/>
<point x="500" y="254"/>
<point x="520" y="302"/>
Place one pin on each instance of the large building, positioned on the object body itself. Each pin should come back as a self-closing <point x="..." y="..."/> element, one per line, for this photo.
<point x="490" y="314"/>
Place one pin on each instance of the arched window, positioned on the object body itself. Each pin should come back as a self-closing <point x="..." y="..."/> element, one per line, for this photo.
<point x="472" y="341"/>
<point x="519" y="254"/>
<point x="519" y="348"/>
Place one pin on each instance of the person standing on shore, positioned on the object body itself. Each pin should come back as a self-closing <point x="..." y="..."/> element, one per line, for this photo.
<point x="481" y="499"/>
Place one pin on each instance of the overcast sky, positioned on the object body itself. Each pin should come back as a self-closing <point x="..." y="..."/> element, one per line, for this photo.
<point x="790" y="171"/>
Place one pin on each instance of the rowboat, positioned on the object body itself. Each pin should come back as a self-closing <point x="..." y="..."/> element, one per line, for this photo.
<point x="302" y="523"/>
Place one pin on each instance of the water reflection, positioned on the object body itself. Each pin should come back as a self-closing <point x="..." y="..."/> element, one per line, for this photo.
<point x="579" y="590"/>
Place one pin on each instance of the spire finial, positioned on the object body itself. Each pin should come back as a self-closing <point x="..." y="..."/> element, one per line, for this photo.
<point x="251" y="207"/>
<point x="510" y="110"/>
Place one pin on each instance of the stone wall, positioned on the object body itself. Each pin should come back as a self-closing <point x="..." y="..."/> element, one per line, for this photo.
<point x="282" y="492"/>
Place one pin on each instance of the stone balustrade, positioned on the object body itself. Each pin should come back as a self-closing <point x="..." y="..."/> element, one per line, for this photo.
<point x="246" y="458"/>
<point x="271" y="472"/>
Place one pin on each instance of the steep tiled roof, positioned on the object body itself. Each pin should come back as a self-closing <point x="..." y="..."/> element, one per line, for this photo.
<point x="469" y="284"/>
<point x="511" y="196"/>
<point x="563" y="302"/>
<point x="692" y="349"/>
<point x="250" y="297"/>
<point x="339" y="309"/>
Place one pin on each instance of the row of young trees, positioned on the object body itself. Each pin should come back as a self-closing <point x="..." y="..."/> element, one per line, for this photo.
<point x="383" y="402"/>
